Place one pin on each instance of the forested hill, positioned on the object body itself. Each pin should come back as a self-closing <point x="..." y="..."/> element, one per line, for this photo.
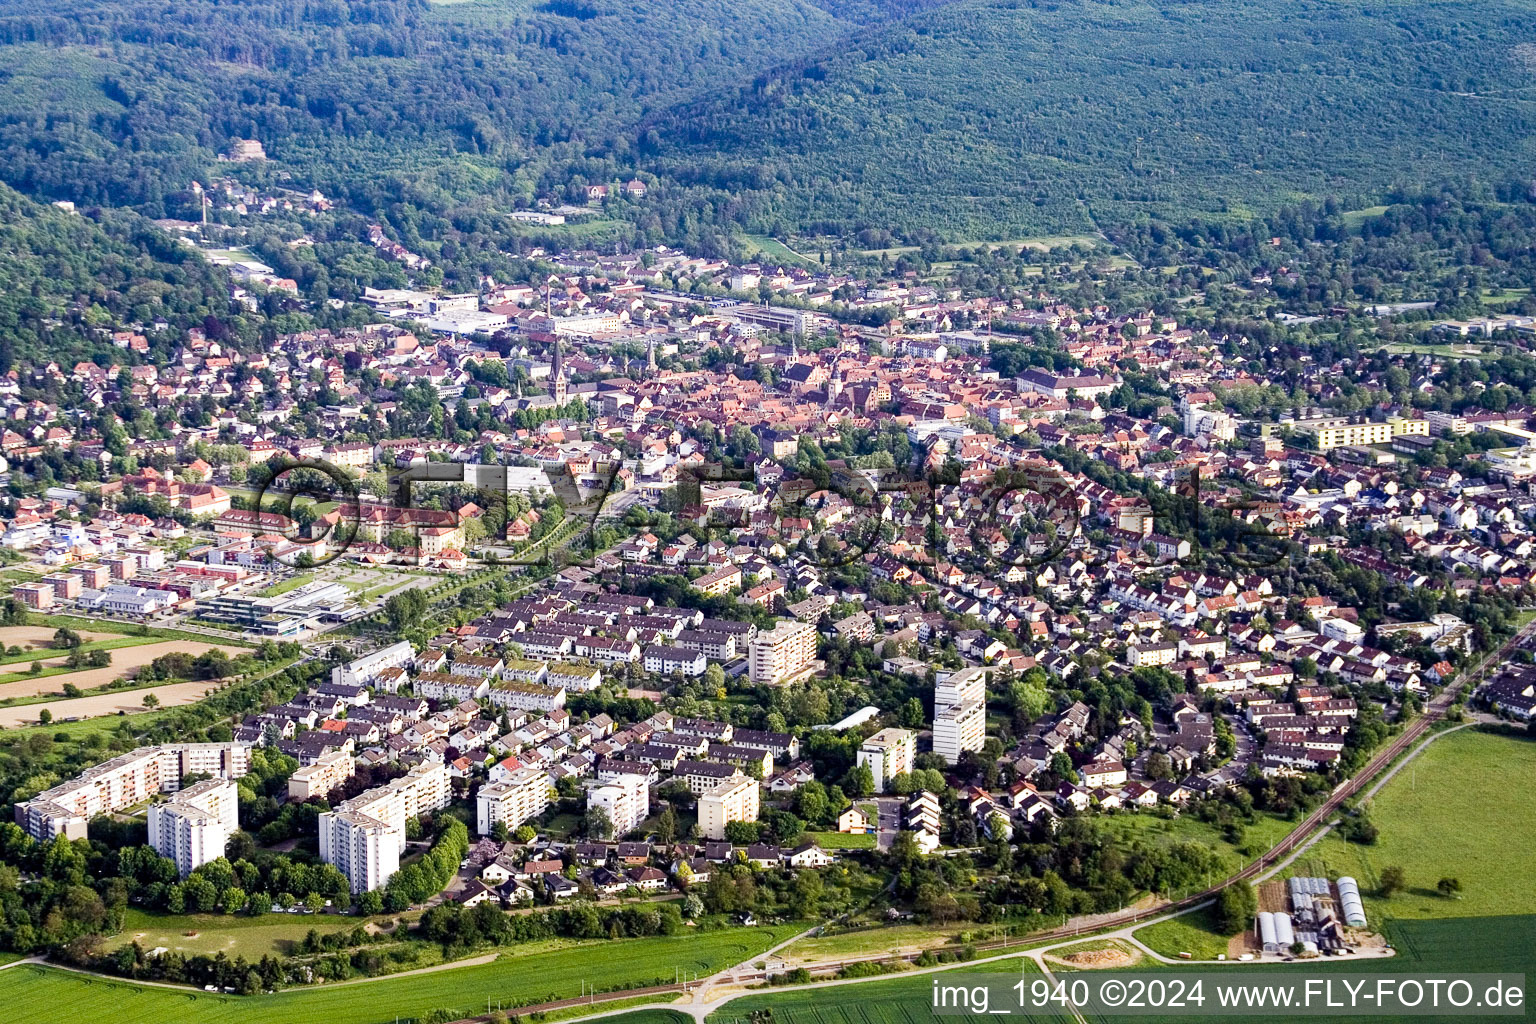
<point x="67" y="280"/>
<point x="999" y="118"/>
<point x="126" y="101"/>
<point x="973" y="119"/>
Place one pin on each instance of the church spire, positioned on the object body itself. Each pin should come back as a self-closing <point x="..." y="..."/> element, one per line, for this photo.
<point x="557" y="374"/>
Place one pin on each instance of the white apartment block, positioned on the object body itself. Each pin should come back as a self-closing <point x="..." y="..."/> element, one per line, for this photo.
<point x="193" y="826"/>
<point x="365" y="670"/>
<point x="627" y="800"/>
<point x="445" y="686"/>
<point x="125" y="780"/>
<point x="958" y="728"/>
<point x="959" y="713"/>
<point x="735" y="799"/>
<point x="505" y="693"/>
<point x="575" y="678"/>
<point x="783" y="652"/>
<point x="477" y="667"/>
<point x="334" y="768"/>
<point x="519" y="797"/>
<point x="354" y="836"/>
<point x="364" y="849"/>
<point x="1138" y="655"/>
<point x="887" y="754"/>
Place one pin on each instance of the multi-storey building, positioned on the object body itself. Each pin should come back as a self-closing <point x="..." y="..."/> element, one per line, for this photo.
<point x="1338" y="432"/>
<point x="506" y="693"/>
<point x="960" y="713"/>
<point x="365" y="670"/>
<point x="735" y="799"/>
<point x="126" y="780"/>
<point x="330" y="771"/>
<point x="364" y="849"/>
<point x="887" y="754"/>
<point x="520" y="796"/>
<point x="194" y="825"/>
<point x="782" y="652"/>
<point x="627" y="801"/>
<point x="354" y="835"/>
<point x="445" y="686"/>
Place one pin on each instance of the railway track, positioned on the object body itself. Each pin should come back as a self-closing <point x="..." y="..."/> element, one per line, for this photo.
<point x="1433" y="712"/>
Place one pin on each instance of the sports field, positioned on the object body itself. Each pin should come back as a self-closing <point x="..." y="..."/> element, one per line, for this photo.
<point x="39" y="995"/>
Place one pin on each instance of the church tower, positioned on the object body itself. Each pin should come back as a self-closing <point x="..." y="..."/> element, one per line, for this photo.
<point x="557" y="374"/>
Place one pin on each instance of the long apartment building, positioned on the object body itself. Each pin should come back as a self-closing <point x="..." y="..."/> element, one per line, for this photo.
<point x="782" y="652"/>
<point x="887" y="754"/>
<point x="365" y="836"/>
<point x="735" y="799"/>
<point x="1339" y="432"/>
<point x="519" y="797"/>
<point x="319" y="779"/>
<point x="960" y="713"/>
<point x="194" y="825"/>
<point x="126" y="780"/>
<point x="366" y="670"/>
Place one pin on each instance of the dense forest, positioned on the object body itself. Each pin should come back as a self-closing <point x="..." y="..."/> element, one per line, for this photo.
<point x="987" y="117"/>
<point x="123" y="103"/>
<point x="972" y="119"/>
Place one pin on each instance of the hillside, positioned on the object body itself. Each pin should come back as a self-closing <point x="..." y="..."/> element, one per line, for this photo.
<point x="67" y="278"/>
<point x="996" y="118"/>
<point x="123" y="103"/>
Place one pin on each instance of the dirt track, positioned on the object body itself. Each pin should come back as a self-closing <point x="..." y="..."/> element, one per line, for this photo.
<point x="130" y="701"/>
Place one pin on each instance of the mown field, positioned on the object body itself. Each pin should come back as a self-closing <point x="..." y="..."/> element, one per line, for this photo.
<point x="1194" y="933"/>
<point x="898" y="1000"/>
<point x="40" y="995"/>
<point x="1464" y="808"/>
<point x="233" y="935"/>
<point x="1491" y="945"/>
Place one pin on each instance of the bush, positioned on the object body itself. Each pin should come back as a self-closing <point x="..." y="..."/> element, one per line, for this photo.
<point x="1235" y="907"/>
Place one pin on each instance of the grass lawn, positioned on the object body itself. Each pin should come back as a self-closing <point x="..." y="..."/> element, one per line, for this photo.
<point x="133" y="629"/>
<point x="47" y="996"/>
<point x="895" y="1000"/>
<point x="842" y="840"/>
<point x="649" y="1016"/>
<point x="1425" y="949"/>
<point x="1463" y="808"/>
<point x="251" y="937"/>
<point x="887" y="938"/>
<point x="291" y="583"/>
<point x="1194" y="932"/>
<point x="776" y="251"/>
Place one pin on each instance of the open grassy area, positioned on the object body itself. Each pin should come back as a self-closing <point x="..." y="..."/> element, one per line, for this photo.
<point x="251" y="937"/>
<point x="843" y="840"/>
<point x="896" y="1000"/>
<point x="291" y="583"/>
<point x="1463" y="808"/>
<point x="1424" y="949"/>
<point x="36" y="995"/>
<point x="772" y="249"/>
<point x="1194" y="933"/>
<point x="887" y="939"/>
<point x="80" y="623"/>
